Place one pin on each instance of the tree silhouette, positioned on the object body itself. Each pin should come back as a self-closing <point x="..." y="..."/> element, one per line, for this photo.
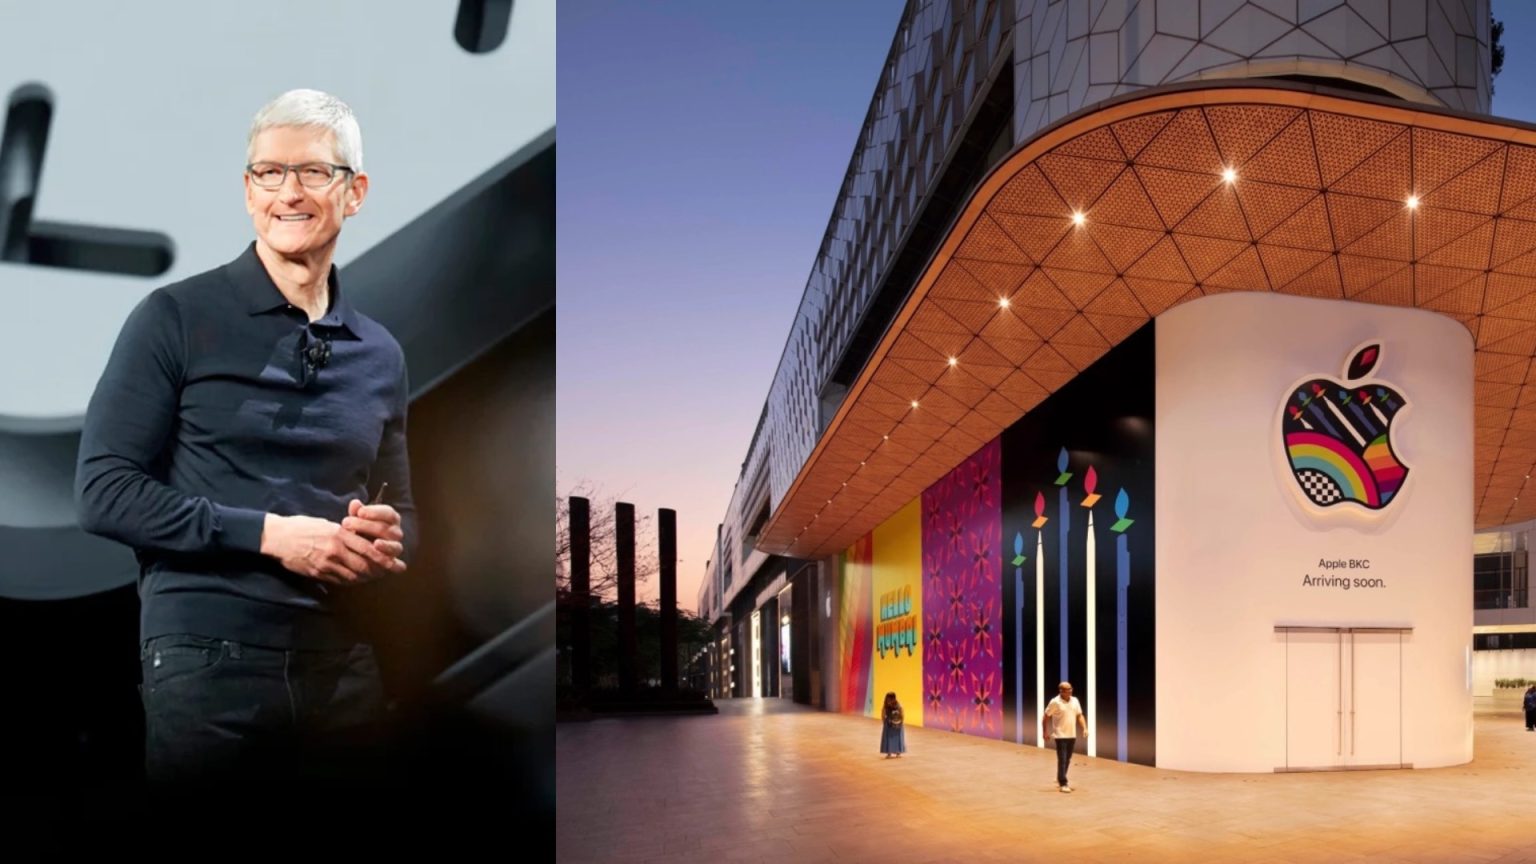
<point x="605" y="556"/>
<point x="1495" y="50"/>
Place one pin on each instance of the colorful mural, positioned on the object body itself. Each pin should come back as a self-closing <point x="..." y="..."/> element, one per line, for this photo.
<point x="1079" y="595"/>
<point x="1018" y="569"/>
<point x="855" y="641"/>
<point x="962" y="599"/>
<point x="898" y="589"/>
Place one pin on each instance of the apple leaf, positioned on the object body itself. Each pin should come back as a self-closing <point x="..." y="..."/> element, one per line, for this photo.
<point x="1364" y="361"/>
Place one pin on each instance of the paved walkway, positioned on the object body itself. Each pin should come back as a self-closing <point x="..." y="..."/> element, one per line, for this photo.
<point x="765" y="781"/>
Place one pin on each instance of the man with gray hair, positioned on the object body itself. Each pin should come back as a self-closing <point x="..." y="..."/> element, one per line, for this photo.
<point x="1062" y="722"/>
<point x="244" y="417"/>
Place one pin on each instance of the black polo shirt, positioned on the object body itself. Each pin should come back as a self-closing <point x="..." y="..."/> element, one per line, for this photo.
<point x="218" y="406"/>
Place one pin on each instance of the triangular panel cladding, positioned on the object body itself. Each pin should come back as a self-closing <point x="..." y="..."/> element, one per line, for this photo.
<point x="1185" y="144"/>
<point x="1036" y="236"/>
<point x="1386" y="174"/>
<point x="987" y="241"/>
<point x="1266" y="205"/>
<point x="1286" y="160"/>
<point x="1217" y="216"/>
<point x="1079" y="181"/>
<point x="1343" y="142"/>
<point x="1243" y="130"/>
<point x="1440" y="156"/>
<point x="1135" y="133"/>
<point x="1354" y="217"/>
<point x="1175" y="193"/>
<point x="1244" y="272"/>
<point x="1318" y="206"/>
<point x="1125" y="202"/>
<point x="1122" y="245"/>
<point x="1519" y="178"/>
<point x="1030" y="194"/>
<point x="1470" y="190"/>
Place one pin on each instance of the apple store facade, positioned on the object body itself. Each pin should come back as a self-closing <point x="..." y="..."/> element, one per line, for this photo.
<point x="1152" y="346"/>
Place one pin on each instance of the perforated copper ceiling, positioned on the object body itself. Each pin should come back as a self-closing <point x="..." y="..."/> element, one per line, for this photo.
<point x="1328" y="197"/>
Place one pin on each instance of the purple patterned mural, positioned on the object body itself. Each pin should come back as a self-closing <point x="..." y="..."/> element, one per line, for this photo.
<point x="962" y="597"/>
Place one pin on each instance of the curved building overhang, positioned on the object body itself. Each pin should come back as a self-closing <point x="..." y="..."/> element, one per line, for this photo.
<point x="1317" y="67"/>
<point x="1107" y="219"/>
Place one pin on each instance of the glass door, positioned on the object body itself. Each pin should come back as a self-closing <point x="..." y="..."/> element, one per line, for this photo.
<point x="1314" y="724"/>
<point x="1343" y="698"/>
<point x="1375" y="702"/>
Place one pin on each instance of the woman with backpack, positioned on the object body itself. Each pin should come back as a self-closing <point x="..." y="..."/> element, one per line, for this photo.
<point x="893" y="736"/>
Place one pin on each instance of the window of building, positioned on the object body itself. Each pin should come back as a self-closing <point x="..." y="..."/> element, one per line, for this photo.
<point x="1500" y="580"/>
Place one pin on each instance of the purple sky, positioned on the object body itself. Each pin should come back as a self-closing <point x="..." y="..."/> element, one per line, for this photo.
<point x="702" y="147"/>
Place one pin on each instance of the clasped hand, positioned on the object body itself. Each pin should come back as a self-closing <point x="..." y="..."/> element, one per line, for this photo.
<point x="364" y="546"/>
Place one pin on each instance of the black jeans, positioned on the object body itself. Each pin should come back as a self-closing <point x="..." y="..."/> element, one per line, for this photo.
<point x="227" y="719"/>
<point x="1063" y="758"/>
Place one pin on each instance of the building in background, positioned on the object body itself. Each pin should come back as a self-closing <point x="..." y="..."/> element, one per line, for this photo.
<point x="1015" y="437"/>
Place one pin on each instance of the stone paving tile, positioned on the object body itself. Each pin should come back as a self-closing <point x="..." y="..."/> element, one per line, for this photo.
<point x="773" y="782"/>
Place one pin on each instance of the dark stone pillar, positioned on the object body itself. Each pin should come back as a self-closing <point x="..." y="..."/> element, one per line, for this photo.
<point x="581" y="593"/>
<point x="624" y="546"/>
<point x="769" y="645"/>
<point x="741" y="674"/>
<point x="802" y="626"/>
<point x="667" y="524"/>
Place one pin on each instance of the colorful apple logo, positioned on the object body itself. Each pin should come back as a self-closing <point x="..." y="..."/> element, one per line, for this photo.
<point x="1338" y="436"/>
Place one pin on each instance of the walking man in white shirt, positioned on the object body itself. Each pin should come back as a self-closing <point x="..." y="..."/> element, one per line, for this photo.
<point x="1062" y="721"/>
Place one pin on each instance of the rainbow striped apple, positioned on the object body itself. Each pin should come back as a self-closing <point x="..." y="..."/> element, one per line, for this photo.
<point x="1338" y="436"/>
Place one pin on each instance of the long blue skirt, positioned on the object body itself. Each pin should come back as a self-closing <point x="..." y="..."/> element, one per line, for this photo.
<point x="893" y="739"/>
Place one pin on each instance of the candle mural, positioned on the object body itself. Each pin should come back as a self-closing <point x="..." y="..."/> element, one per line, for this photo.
<point x="1039" y="525"/>
<point x="951" y="595"/>
<point x="1122" y="586"/>
<point x="1063" y="526"/>
<point x="1090" y="558"/>
<point x="1017" y="608"/>
<point x="1085" y="619"/>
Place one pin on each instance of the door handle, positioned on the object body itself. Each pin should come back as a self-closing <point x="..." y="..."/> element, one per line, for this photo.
<point x="1351" y="694"/>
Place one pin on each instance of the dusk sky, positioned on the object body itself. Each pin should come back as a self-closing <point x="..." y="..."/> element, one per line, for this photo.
<point x="703" y="144"/>
<point x="703" y="147"/>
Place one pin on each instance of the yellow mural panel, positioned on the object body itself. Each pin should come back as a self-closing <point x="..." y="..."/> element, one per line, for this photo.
<point x="898" y="612"/>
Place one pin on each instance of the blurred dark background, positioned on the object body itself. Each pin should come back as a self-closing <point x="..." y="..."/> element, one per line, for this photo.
<point x="465" y="639"/>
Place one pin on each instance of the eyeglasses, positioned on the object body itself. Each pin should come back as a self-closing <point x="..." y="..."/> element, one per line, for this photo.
<point x="312" y="175"/>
